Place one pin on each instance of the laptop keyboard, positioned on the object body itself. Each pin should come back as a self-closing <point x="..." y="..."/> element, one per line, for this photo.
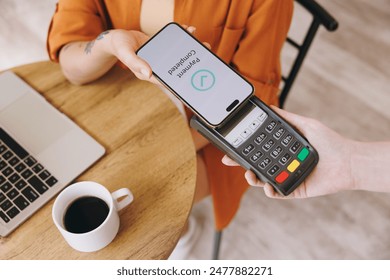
<point x="22" y="178"/>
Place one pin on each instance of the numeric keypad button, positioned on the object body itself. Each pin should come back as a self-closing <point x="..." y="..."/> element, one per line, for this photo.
<point x="273" y="170"/>
<point x="279" y="133"/>
<point x="260" y="138"/>
<point x="275" y="153"/>
<point x="286" y="140"/>
<point x="264" y="163"/>
<point x="272" y="124"/>
<point x="248" y="149"/>
<point x="284" y="159"/>
<point x="295" y="147"/>
<point x="267" y="146"/>
<point x="256" y="156"/>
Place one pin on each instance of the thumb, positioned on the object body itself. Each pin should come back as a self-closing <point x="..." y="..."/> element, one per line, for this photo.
<point x="228" y="161"/>
<point x="137" y="65"/>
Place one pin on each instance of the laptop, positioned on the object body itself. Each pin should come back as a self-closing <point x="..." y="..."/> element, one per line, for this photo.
<point x="41" y="151"/>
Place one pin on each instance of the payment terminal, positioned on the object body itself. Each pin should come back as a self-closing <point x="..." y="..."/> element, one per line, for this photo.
<point x="260" y="140"/>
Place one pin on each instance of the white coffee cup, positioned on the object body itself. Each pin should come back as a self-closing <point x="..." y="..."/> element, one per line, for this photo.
<point x="101" y="236"/>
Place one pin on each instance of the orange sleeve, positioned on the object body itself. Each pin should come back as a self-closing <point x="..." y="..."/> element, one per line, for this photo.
<point x="258" y="53"/>
<point x="73" y="20"/>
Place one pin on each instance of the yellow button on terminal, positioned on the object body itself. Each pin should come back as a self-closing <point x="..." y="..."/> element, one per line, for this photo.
<point x="293" y="166"/>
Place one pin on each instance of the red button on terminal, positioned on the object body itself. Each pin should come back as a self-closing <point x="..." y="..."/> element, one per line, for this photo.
<point x="282" y="177"/>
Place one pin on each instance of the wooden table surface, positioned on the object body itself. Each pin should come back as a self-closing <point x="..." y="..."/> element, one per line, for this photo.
<point x="149" y="149"/>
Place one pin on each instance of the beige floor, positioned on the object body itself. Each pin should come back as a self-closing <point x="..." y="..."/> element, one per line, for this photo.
<point x="344" y="83"/>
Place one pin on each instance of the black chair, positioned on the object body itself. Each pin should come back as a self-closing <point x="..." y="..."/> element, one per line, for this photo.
<point x="319" y="17"/>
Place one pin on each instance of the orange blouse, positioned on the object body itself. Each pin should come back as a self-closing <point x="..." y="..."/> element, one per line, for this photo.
<point x="247" y="34"/>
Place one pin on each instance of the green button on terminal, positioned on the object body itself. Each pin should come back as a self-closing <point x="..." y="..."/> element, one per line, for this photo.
<point x="303" y="154"/>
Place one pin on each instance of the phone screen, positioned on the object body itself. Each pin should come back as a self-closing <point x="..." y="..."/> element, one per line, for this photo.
<point x="198" y="77"/>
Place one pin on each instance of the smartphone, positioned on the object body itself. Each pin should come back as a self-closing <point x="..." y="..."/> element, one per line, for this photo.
<point x="260" y="140"/>
<point x="201" y="80"/>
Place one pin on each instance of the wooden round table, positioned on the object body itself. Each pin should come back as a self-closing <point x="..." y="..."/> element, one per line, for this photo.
<point x="149" y="149"/>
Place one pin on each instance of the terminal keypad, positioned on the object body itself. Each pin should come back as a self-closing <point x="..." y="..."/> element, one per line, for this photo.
<point x="270" y="146"/>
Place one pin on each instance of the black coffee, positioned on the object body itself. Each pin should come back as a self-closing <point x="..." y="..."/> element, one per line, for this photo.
<point x="85" y="214"/>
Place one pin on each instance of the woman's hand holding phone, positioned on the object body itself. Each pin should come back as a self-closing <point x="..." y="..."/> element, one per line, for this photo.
<point x="125" y="43"/>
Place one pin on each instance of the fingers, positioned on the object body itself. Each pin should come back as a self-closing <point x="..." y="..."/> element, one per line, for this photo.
<point x="228" y="161"/>
<point x="269" y="191"/>
<point x="252" y="179"/>
<point x="207" y="45"/>
<point x="272" y="193"/>
<point x="192" y="29"/>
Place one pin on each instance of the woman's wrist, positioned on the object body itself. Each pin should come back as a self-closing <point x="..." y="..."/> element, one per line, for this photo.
<point x="102" y="46"/>
<point x="105" y="41"/>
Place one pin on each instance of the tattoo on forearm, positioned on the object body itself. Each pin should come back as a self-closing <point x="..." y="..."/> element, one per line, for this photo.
<point x="89" y="46"/>
<point x="66" y="47"/>
<point x="101" y="35"/>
